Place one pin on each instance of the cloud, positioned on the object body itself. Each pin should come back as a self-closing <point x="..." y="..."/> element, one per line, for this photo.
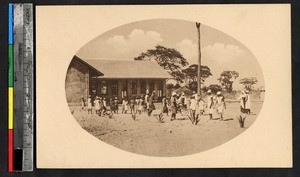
<point x="217" y="52"/>
<point x="134" y="43"/>
<point x="188" y="49"/>
<point x="222" y="53"/>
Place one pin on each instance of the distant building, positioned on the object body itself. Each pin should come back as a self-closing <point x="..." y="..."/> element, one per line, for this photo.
<point x="113" y="78"/>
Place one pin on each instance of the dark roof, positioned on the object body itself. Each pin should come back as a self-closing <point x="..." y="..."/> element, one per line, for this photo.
<point x="128" y="69"/>
<point x="99" y="73"/>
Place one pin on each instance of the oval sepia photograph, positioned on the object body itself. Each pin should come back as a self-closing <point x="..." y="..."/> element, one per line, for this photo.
<point x="164" y="87"/>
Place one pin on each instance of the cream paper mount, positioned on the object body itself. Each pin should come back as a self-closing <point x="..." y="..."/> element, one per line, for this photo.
<point x="63" y="142"/>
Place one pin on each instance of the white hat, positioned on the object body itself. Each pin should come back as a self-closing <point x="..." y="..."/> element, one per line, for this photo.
<point x="209" y="91"/>
<point x="219" y="93"/>
<point x="247" y="91"/>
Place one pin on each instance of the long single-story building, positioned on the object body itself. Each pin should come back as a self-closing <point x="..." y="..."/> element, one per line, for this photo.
<point x="113" y="78"/>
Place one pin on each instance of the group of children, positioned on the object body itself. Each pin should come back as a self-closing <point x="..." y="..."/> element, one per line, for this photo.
<point x="100" y="105"/>
<point x="195" y="104"/>
<point x="133" y="105"/>
<point x="175" y="104"/>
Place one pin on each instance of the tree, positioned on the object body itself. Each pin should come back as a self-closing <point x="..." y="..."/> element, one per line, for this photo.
<point x="191" y="73"/>
<point x="226" y="79"/>
<point x="169" y="59"/>
<point x="214" y="88"/>
<point x="248" y="82"/>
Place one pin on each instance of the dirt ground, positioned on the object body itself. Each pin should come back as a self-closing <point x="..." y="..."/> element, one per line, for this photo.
<point x="147" y="136"/>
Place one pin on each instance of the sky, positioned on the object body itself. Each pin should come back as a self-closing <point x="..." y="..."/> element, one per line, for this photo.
<point x="220" y="52"/>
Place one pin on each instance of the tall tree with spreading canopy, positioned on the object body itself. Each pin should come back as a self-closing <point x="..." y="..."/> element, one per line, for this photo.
<point x="248" y="82"/>
<point x="168" y="58"/>
<point x="191" y="75"/>
<point x="226" y="79"/>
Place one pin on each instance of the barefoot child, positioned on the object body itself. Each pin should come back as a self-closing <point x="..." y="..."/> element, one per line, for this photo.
<point x="89" y="105"/>
<point x="82" y="103"/>
<point x="100" y="106"/>
<point x="140" y="105"/>
<point x="201" y="106"/>
<point x="116" y="104"/>
<point x="210" y="104"/>
<point x="173" y="106"/>
<point x="220" y="104"/>
<point x="104" y="106"/>
<point x="165" y="105"/>
<point x="123" y="105"/>
<point x="112" y="106"/>
<point x="132" y="106"/>
<point x="97" y="105"/>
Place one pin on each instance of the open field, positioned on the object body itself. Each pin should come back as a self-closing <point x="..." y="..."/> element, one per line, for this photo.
<point x="171" y="138"/>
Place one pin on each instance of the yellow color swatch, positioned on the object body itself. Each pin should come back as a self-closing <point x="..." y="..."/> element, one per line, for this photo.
<point x="10" y="108"/>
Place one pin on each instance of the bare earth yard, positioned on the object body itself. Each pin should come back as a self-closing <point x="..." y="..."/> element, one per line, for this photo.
<point x="171" y="138"/>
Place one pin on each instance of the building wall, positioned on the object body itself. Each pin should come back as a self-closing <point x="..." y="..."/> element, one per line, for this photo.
<point x="77" y="82"/>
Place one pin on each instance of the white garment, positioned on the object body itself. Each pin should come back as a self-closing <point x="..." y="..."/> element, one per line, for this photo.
<point x="220" y="104"/>
<point x="196" y="96"/>
<point x="89" y="103"/>
<point x="193" y="104"/>
<point x="248" y="102"/>
<point x="201" y="105"/>
<point x="210" y="102"/>
<point x="97" y="105"/>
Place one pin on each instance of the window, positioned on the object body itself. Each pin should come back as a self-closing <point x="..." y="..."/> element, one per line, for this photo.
<point x="151" y="86"/>
<point x="143" y="87"/>
<point x="124" y="89"/>
<point x="160" y="88"/>
<point x="134" y="87"/>
<point x="114" y="87"/>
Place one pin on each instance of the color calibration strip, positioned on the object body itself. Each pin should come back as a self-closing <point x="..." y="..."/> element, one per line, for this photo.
<point x="10" y="88"/>
<point x="20" y="88"/>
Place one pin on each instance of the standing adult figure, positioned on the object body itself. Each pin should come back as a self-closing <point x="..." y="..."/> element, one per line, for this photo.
<point x="89" y="105"/>
<point x="151" y="103"/>
<point x="247" y="102"/>
<point x="147" y="100"/>
<point x="220" y="104"/>
<point x="210" y="104"/>
<point x="173" y="106"/>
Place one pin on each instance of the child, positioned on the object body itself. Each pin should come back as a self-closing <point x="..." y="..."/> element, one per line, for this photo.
<point x="210" y="104"/>
<point x="201" y="106"/>
<point x="89" y="105"/>
<point x="147" y="102"/>
<point x="112" y="106"/>
<point x="132" y="105"/>
<point x="97" y="105"/>
<point x="173" y="106"/>
<point x="104" y="106"/>
<point x="100" y="106"/>
<point x="123" y="105"/>
<point x="220" y="104"/>
<point x="116" y="104"/>
<point x="193" y="106"/>
<point x="82" y="103"/>
<point x="126" y="106"/>
<point x="165" y="105"/>
<point x="140" y="105"/>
